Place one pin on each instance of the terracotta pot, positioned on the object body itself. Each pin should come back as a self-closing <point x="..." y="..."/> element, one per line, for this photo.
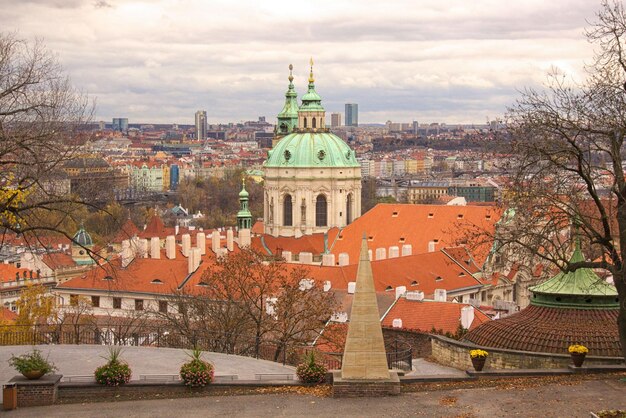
<point x="478" y="363"/>
<point x="33" y="374"/>
<point x="578" y="359"/>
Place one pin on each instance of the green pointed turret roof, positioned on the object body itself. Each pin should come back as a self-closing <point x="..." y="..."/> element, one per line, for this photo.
<point x="244" y="211"/>
<point x="581" y="288"/>
<point x="311" y="100"/>
<point x="290" y="109"/>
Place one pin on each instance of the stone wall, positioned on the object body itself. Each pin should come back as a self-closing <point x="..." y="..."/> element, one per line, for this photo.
<point x="419" y="342"/>
<point x="456" y="354"/>
<point x="365" y="388"/>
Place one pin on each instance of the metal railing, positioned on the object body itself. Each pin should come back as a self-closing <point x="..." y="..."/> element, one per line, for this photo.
<point x="167" y="336"/>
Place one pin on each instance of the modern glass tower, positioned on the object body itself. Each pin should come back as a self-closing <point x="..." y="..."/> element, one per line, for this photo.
<point x="201" y="124"/>
<point x="352" y="114"/>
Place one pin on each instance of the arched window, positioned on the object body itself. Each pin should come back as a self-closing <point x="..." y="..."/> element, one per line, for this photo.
<point x="283" y="127"/>
<point x="313" y="124"/>
<point x="287" y="211"/>
<point x="349" y="209"/>
<point x="305" y="122"/>
<point x="321" y="211"/>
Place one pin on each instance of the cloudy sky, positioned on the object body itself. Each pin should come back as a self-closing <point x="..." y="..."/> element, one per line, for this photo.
<point x="402" y="60"/>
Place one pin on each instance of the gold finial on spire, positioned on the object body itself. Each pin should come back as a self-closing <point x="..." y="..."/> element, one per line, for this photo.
<point x="290" y="73"/>
<point x="243" y="181"/>
<point x="311" y="79"/>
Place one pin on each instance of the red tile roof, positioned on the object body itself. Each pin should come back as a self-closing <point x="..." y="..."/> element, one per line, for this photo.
<point x="127" y="231"/>
<point x="143" y="275"/>
<point x="422" y="272"/>
<point x="8" y="272"/>
<point x="307" y="243"/>
<point x="389" y="225"/>
<point x="58" y="260"/>
<point x="7" y="315"/>
<point x="426" y="315"/>
<point x="552" y="330"/>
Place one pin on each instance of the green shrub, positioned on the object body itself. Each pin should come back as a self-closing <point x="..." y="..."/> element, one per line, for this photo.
<point x="311" y="371"/>
<point x="197" y="372"/>
<point x="32" y="362"/>
<point x="115" y="372"/>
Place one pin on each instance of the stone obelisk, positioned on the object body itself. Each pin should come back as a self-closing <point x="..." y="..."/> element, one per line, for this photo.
<point x="364" y="370"/>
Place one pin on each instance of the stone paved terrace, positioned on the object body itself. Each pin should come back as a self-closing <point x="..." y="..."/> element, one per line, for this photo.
<point x="569" y="398"/>
<point x="84" y="359"/>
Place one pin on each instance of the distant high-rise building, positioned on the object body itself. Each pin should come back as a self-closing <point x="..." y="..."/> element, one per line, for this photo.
<point x="120" y="124"/>
<point x="335" y="120"/>
<point x="201" y="124"/>
<point x="415" y="127"/>
<point x="352" y="114"/>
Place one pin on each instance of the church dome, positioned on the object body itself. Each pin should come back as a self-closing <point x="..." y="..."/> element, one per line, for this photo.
<point x="82" y="238"/>
<point x="311" y="149"/>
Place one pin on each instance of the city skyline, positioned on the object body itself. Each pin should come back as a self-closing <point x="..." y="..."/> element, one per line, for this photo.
<point x="160" y="61"/>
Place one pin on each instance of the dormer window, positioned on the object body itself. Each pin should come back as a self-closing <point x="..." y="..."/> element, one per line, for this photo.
<point x="107" y="278"/>
<point x="388" y="289"/>
<point x="157" y="281"/>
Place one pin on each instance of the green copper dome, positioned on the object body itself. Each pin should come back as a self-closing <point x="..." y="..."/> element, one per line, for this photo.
<point x="582" y="289"/>
<point x="311" y="149"/>
<point x="82" y="238"/>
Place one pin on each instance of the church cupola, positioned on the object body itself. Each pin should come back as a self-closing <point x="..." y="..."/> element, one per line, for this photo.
<point x="311" y="115"/>
<point x="81" y="245"/>
<point x="288" y="117"/>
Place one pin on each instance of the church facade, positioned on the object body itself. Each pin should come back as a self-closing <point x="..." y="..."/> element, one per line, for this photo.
<point x="312" y="177"/>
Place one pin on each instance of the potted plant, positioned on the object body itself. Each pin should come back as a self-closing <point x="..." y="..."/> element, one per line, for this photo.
<point x="115" y="372"/>
<point x="32" y="365"/>
<point x="478" y="358"/>
<point x="197" y="372"/>
<point x="310" y="371"/>
<point x="578" y="353"/>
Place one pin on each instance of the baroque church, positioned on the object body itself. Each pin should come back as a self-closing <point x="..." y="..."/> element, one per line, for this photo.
<point x="312" y="177"/>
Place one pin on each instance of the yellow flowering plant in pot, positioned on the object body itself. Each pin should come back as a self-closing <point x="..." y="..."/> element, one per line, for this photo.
<point x="478" y="358"/>
<point x="578" y="353"/>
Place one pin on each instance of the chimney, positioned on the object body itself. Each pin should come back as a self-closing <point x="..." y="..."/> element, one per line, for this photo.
<point x="397" y="323"/>
<point x="170" y="247"/>
<point x="215" y="241"/>
<point x="440" y="295"/>
<point x="155" y="247"/>
<point x="394" y="252"/>
<point x="351" y="287"/>
<point x="143" y="248"/>
<point x="186" y="244"/>
<point x="201" y="242"/>
<point x="381" y="253"/>
<point x="244" y="238"/>
<point x="176" y="230"/>
<point x="467" y="316"/>
<point x="328" y="259"/>
<point x="407" y="249"/>
<point x="197" y="257"/>
<point x="400" y="290"/>
<point x="431" y="246"/>
<point x="344" y="259"/>
<point x="414" y="295"/>
<point x="127" y="253"/>
<point x="306" y="284"/>
<point x="306" y="258"/>
<point x="287" y="256"/>
<point x="370" y="255"/>
<point x="327" y="285"/>
<point x="230" y="240"/>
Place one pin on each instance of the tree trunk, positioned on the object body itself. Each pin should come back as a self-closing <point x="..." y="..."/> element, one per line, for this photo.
<point x="620" y="285"/>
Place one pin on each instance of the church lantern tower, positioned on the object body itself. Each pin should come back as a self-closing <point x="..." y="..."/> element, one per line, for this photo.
<point x="244" y="217"/>
<point x="288" y="117"/>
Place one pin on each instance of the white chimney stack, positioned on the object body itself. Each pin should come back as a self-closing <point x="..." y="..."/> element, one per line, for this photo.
<point x="215" y="241"/>
<point x="306" y="258"/>
<point x="407" y="249"/>
<point x="127" y="253"/>
<point x="287" y="256"/>
<point x="344" y="259"/>
<point x="244" y="238"/>
<point x="467" y="316"/>
<point x="414" y="295"/>
<point x="394" y="252"/>
<point x="143" y="248"/>
<point x="186" y="238"/>
<point x="176" y="229"/>
<point x="397" y="323"/>
<point x="155" y="247"/>
<point x="230" y="240"/>
<point x="440" y="295"/>
<point x="201" y="242"/>
<point x="328" y="259"/>
<point x="381" y="253"/>
<point x="327" y="285"/>
<point x="370" y="255"/>
<point x="431" y="246"/>
<point x="170" y="247"/>
<point x="400" y="290"/>
<point x="351" y="287"/>
<point x="306" y="284"/>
